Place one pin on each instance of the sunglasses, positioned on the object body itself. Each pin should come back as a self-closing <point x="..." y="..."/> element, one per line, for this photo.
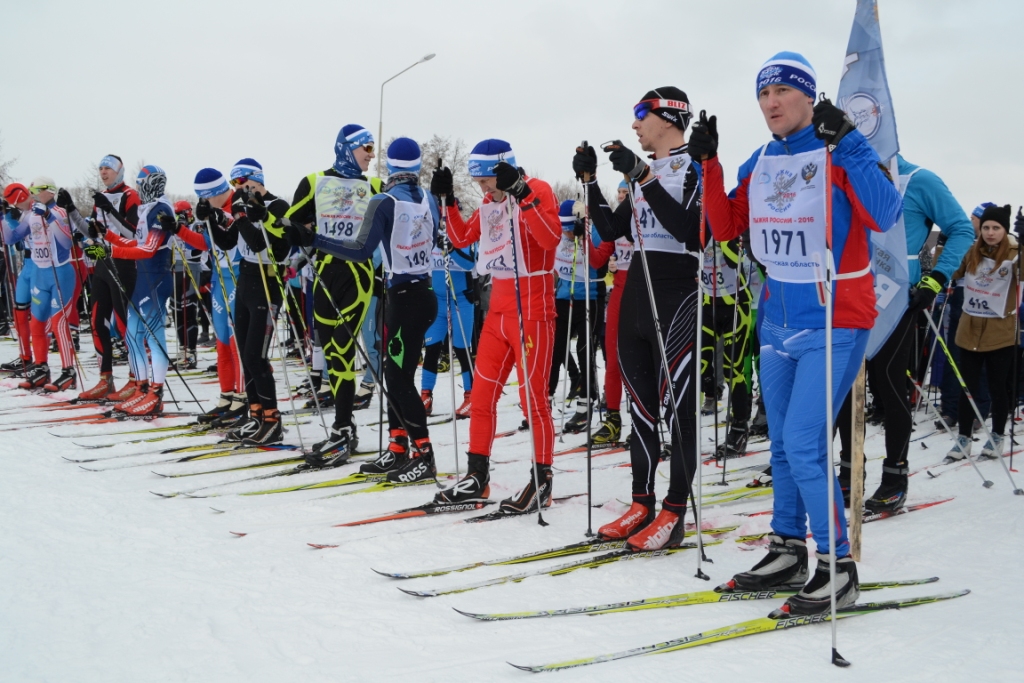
<point x="368" y="148"/>
<point x="644" y="107"/>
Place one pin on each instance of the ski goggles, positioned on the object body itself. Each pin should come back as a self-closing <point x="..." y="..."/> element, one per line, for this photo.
<point x="36" y="189"/>
<point x="644" y="107"/>
<point x="368" y="148"/>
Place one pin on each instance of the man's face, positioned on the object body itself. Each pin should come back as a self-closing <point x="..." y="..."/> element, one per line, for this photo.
<point x="107" y="175"/>
<point x="650" y="130"/>
<point x="489" y="185"/>
<point x="43" y="196"/>
<point x="786" y="110"/>
<point x="363" y="156"/>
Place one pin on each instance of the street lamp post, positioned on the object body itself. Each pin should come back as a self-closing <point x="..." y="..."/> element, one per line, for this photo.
<point x="380" y="120"/>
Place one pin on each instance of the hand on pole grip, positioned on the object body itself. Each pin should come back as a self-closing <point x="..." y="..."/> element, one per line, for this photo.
<point x="102" y="202"/>
<point x="169" y="223"/>
<point x="625" y="161"/>
<point x="442" y="183"/>
<point x="97" y="252"/>
<point x="508" y="178"/>
<point x="584" y="163"/>
<point x="830" y="123"/>
<point x="64" y="200"/>
<point x="704" y="138"/>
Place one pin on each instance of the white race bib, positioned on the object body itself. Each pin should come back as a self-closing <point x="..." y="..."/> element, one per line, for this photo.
<point x="569" y="260"/>
<point x="671" y="173"/>
<point x="985" y="291"/>
<point x="340" y="206"/>
<point x="43" y="248"/>
<point x="623" y="253"/>
<point x="787" y="215"/>
<point x="716" y="278"/>
<point x="412" y="239"/>
<point x="496" y="235"/>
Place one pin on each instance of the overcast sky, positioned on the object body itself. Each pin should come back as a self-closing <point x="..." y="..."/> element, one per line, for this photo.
<point x="188" y="84"/>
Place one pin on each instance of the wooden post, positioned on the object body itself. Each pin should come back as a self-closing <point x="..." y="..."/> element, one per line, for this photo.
<point x="857" y="464"/>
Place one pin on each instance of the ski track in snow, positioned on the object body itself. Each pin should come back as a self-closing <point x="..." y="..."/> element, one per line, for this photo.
<point x="102" y="581"/>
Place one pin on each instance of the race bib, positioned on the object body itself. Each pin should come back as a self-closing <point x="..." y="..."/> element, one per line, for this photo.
<point x="986" y="290"/>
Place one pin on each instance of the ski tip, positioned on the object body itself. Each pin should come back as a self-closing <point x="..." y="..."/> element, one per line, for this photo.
<point x="165" y="476"/>
<point x="219" y="512"/>
<point x="390" y="575"/>
<point x="88" y="469"/>
<point x="471" y="615"/>
<point x="163" y="495"/>
<point x="521" y="667"/>
<point x="416" y="594"/>
<point x="238" y="534"/>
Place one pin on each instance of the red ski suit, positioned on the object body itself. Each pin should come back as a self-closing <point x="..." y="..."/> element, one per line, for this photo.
<point x="499" y="348"/>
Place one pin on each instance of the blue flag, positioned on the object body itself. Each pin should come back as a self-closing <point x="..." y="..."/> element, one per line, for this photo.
<point x="864" y="96"/>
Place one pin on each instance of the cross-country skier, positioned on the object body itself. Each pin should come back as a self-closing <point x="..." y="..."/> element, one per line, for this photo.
<point x="665" y="214"/>
<point x="926" y="202"/>
<point x="781" y="200"/>
<point x="53" y="283"/>
<point x="16" y="202"/>
<point x="333" y="203"/>
<point x="403" y="221"/>
<point x="571" y="270"/>
<point x="534" y="225"/>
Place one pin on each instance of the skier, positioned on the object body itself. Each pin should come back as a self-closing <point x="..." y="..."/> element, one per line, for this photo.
<point x="460" y="264"/>
<point x="333" y="203"/>
<point x="610" y="430"/>
<point x="256" y="232"/>
<point x="186" y="268"/>
<point x="214" y="195"/>
<point x="53" y="283"/>
<point x="767" y="202"/>
<point x="534" y="226"/>
<point x="16" y="202"/>
<point x="150" y="247"/>
<point x="926" y="202"/>
<point x="116" y="210"/>
<point x="403" y="221"/>
<point x="987" y="335"/>
<point x="726" y="300"/>
<point x="665" y="214"/>
<point x="571" y="295"/>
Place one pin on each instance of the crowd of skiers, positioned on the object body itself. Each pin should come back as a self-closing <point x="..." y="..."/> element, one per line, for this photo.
<point x="686" y="287"/>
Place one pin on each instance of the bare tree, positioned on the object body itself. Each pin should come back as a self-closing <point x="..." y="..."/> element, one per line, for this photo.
<point x="455" y="155"/>
<point x="5" y="167"/>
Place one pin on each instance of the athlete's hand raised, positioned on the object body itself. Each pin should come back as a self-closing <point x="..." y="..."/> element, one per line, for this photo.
<point x="625" y="161"/>
<point x="704" y="138"/>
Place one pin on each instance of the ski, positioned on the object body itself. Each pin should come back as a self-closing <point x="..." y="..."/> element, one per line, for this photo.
<point x="752" y="541"/>
<point x="558" y="570"/>
<point x="708" y="597"/>
<point x="143" y="430"/>
<point x="745" y="628"/>
<point x="425" y="510"/>
<point x="580" y="548"/>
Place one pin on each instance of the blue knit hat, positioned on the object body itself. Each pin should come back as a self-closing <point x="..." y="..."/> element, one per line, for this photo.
<point x="787" y="68"/>
<point x="487" y="154"/>
<point x="247" y="169"/>
<point x="209" y="183"/>
<point x="565" y="214"/>
<point x="980" y="209"/>
<point x="349" y="138"/>
<point x="623" y="185"/>
<point x="404" y="156"/>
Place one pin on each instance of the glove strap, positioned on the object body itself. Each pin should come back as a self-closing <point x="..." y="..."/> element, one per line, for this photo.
<point x="930" y="283"/>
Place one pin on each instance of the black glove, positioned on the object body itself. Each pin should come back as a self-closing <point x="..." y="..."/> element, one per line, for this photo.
<point x="252" y="235"/>
<point x="198" y="228"/>
<point x="444" y="244"/>
<point x="625" y="162"/>
<point x="65" y="201"/>
<point x="704" y="138"/>
<point x="256" y="208"/>
<point x="442" y="183"/>
<point x="94" y="228"/>
<point x="585" y="162"/>
<point x="1018" y="225"/>
<point x="169" y="223"/>
<point x="579" y="227"/>
<point x="831" y="123"/>
<point x="924" y="293"/>
<point x="299" y="235"/>
<point x="4" y="206"/>
<point x="102" y="202"/>
<point x="509" y="179"/>
<point x="203" y="209"/>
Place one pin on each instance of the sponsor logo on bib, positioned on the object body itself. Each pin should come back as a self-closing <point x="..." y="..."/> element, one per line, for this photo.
<point x="782" y="199"/>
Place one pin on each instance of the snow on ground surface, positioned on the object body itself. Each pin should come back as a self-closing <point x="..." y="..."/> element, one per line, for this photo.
<point x="100" y="580"/>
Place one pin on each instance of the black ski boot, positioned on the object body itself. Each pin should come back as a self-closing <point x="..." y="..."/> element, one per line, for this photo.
<point x="419" y="466"/>
<point x="735" y="445"/>
<point x="759" y="427"/>
<point x="526" y="501"/>
<point x="228" y="406"/>
<point x="334" y="450"/>
<point x="610" y="430"/>
<point x="66" y="380"/>
<point x="364" y="394"/>
<point x="391" y="459"/>
<point x="16" y="366"/>
<point x="474" y="487"/>
<point x="578" y="422"/>
<point x="816" y="596"/>
<point x="845" y="477"/>
<point x="245" y="427"/>
<point x="270" y="430"/>
<point x="891" y="494"/>
<point x="36" y="377"/>
<point x="785" y="566"/>
<point x="764" y="478"/>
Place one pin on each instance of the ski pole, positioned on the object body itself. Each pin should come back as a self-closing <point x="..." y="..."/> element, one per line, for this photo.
<point x="448" y="303"/>
<point x="590" y="353"/>
<point x="730" y="361"/>
<point x="568" y="340"/>
<point x="522" y="351"/>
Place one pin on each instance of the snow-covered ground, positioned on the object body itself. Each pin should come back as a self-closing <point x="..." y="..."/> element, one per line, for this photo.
<point x="100" y="580"/>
